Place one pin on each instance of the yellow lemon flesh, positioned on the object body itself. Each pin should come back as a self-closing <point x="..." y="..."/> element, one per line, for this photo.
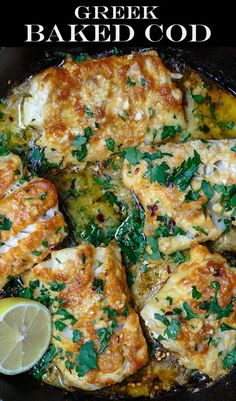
<point x="25" y="333"/>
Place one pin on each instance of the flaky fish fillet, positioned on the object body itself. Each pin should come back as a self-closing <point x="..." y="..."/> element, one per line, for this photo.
<point x="93" y="323"/>
<point x="79" y="107"/>
<point x="183" y="191"/>
<point x="194" y="313"/>
<point x="30" y="222"/>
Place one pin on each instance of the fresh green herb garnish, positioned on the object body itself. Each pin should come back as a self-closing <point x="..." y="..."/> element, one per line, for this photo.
<point x="199" y="99"/>
<point x="179" y="257"/>
<point x="55" y="286"/>
<point x="130" y="82"/>
<point x="37" y="162"/>
<point x="88" y="112"/>
<point x="153" y="243"/>
<point x="4" y="150"/>
<point x="173" y="326"/>
<point x="143" y="81"/>
<point x="104" y="336"/>
<point x="133" y="155"/>
<point x="5" y="223"/>
<point x="169" y="299"/>
<point x="59" y="325"/>
<point x="195" y="293"/>
<point x="185" y="137"/>
<point x="43" y="195"/>
<point x="158" y="173"/>
<point x="189" y="313"/>
<point x="42" y="366"/>
<point x="130" y="236"/>
<point x="79" y="141"/>
<point x="168" y="228"/>
<point x="86" y="359"/>
<point x="200" y="230"/>
<point x="36" y="253"/>
<point x="213" y="307"/>
<point x="77" y="335"/>
<point x="110" y="144"/>
<point x="182" y="175"/>
<point x="207" y="190"/>
<point x="230" y="359"/>
<point x="225" y="327"/>
<point x="192" y="196"/>
<point x="169" y="131"/>
<point x="98" y="284"/>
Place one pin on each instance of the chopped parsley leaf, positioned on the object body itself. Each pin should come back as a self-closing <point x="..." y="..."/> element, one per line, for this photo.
<point x="130" y="236"/>
<point x="55" y="286"/>
<point x="199" y="99"/>
<point x="59" y="325"/>
<point x="173" y="326"/>
<point x="225" y="327"/>
<point x="88" y="111"/>
<point x="133" y="155"/>
<point x="110" y="144"/>
<point x="183" y="174"/>
<point x="169" y="131"/>
<point x="42" y="366"/>
<point x="77" y="335"/>
<point x="200" y="230"/>
<point x="213" y="307"/>
<point x="143" y="81"/>
<point x="43" y="195"/>
<point x="195" y="293"/>
<point x="130" y="82"/>
<point x="86" y="359"/>
<point x="189" y="313"/>
<point x="36" y="253"/>
<point x="5" y="223"/>
<point x="79" y="141"/>
<point x="169" y="299"/>
<point x="230" y="359"/>
<point x="98" y="284"/>
<point x="207" y="190"/>
<point x="104" y="335"/>
<point x="185" y="137"/>
<point x="158" y="173"/>
<point x="192" y="196"/>
<point x="4" y="150"/>
<point x="178" y="257"/>
<point x="153" y="243"/>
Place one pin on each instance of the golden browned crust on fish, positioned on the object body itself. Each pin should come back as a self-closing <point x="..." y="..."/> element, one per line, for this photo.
<point x="201" y="219"/>
<point x="95" y="293"/>
<point x="124" y="98"/>
<point x="201" y="338"/>
<point x="10" y="171"/>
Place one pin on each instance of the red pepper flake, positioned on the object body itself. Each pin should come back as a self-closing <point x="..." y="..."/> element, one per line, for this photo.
<point x="168" y="269"/>
<point x="152" y="209"/>
<point x="136" y="170"/>
<point x="100" y="217"/>
<point x="169" y="313"/>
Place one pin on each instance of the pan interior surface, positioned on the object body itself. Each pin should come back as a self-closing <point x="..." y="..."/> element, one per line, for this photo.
<point x="29" y="61"/>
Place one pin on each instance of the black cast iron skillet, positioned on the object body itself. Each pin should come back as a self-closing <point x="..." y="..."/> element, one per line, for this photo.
<point x="16" y="64"/>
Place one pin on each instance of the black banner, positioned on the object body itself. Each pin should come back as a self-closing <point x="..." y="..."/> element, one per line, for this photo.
<point x="88" y="23"/>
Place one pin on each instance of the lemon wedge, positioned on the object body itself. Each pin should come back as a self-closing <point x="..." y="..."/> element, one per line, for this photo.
<point x="25" y="333"/>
